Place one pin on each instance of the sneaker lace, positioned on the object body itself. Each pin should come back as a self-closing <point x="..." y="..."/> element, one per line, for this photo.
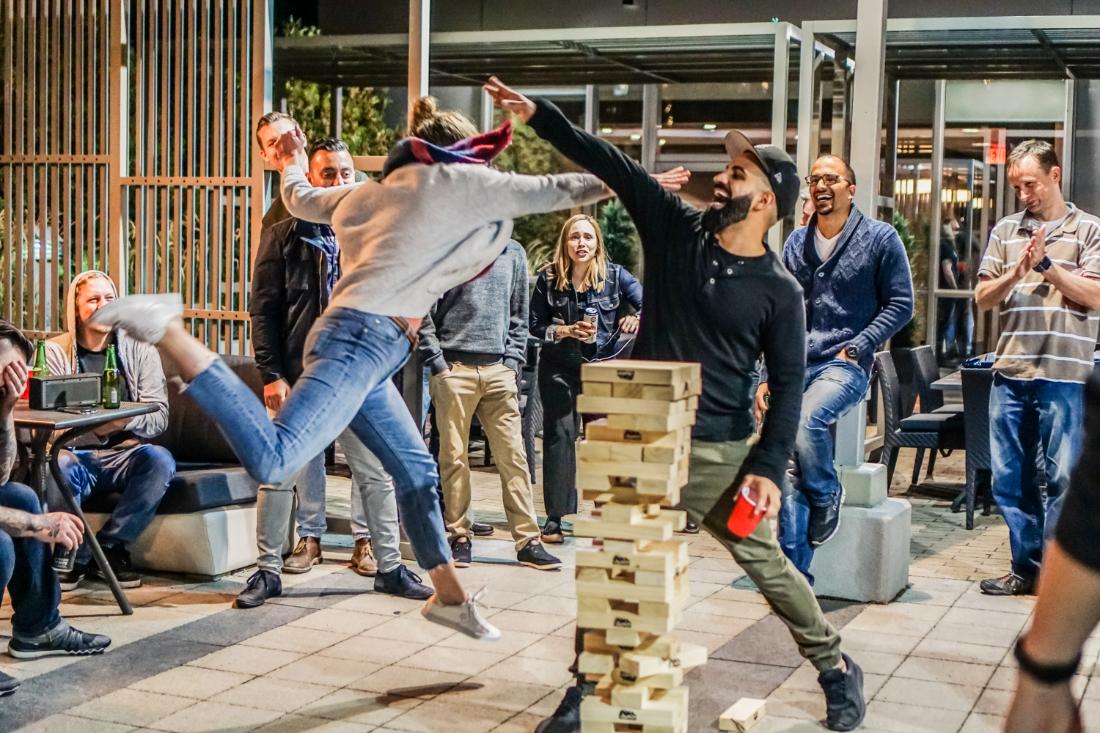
<point x="406" y="573"/>
<point x="255" y="579"/>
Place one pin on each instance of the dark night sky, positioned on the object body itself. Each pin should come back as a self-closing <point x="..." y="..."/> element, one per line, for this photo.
<point x="304" y="10"/>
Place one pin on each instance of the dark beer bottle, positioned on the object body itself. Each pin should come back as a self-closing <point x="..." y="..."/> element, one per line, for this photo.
<point x="111" y="391"/>
<point x="40" y="368"/>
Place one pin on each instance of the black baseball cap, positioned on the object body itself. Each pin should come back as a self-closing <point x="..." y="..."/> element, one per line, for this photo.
<point x="781" y="171"/>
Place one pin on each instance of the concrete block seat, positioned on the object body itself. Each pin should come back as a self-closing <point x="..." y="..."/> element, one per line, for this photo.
<point x="206" y="524"/>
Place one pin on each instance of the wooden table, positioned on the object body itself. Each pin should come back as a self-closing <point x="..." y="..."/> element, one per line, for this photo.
<point x="73" y="422"/>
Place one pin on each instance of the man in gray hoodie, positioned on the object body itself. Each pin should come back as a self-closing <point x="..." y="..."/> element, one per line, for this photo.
<point x="121" y="460"/>
<point x="474" y="340"/>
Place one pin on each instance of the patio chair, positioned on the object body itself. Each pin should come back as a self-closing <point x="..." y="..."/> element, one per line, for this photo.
<point x="922" y="431"/>
<point x="925" y="372"/>
<point x="976" y="385"/>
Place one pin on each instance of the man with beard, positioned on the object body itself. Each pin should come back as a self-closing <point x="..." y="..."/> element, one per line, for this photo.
<point x="858" y="293"/>
<point x="715" y="294"/>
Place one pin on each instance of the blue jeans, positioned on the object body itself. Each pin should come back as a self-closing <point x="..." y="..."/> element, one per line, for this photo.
<point x="831" y="390"/>
<point x="139" y="475"/>
<point x="310" y="483"/>
<point x="1032" y="423"/>
<point x="349" y="359"/>
<point x="25" y="570"/>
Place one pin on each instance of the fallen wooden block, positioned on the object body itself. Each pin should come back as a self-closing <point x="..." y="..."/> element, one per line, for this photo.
<point x="742" y="715"/>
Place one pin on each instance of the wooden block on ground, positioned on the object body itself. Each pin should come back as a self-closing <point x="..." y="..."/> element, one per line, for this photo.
<point x="587" y="404"/>
<point x="742" y="715"/>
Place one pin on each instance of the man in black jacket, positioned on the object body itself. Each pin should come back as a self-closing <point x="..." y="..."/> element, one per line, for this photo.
<point x="296" y="268"/>
<point x="715" y="294"/>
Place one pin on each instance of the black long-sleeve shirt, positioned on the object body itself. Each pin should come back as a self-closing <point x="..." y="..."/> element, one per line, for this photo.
<point x="703" y="304"/>
<point x="1078" y="530"/>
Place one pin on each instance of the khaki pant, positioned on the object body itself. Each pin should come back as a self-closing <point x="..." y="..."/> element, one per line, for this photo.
<point x="491" y="393"/>
<point x="708" y="500"/>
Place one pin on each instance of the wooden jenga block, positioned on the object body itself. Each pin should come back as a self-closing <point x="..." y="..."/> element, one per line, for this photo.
<point x="600" y="583"/>
<point x="597" y="389"/>
<point x="664" y="392"/>
<point x="600" y="430"/>
<point x="677" y="374"/>
<point x="672" y="448"/>
<point x="667" y="709"/>
<point x="664" y="557"/>
<point x="742" y="715"/>
<point x="649" y="617"/>
<point x="661" y="655"/>
<point x="630" y="489"/>
<point x="666" y="472"/>
<point x="660" y="527"/>
<point x="652" y="423"/>
<point x="624" y="638"/>
<point x="589" y="405"/>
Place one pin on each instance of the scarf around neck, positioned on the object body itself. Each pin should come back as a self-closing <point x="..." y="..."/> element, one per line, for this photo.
<point x="479" y="149"/>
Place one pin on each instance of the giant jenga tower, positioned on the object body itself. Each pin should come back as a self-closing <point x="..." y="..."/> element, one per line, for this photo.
<point x="632" y="584"/>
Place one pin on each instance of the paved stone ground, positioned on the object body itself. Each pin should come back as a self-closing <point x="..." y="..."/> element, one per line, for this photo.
<point x="331" y="655"/>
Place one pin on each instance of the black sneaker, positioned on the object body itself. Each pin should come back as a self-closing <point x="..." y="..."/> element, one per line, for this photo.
<point x="552" y="532"/>
<point x="825" y="520"/>
<point x="8" y="684"/>
<point x="66" y="641"/>
<point x="690" y="527"/>
<point x="119" y="560"/>
<point x="481" y="529"/>
<point x="844" y="703"/>
<point x="534" y="555"/>
<point x="461" y="547"/>
<point x="71" y="579"/>
<point x="1008" y="585"/>
<point x="402" y="582"/>
<point x="567" y="718"/>
<point x="263" y="584"/>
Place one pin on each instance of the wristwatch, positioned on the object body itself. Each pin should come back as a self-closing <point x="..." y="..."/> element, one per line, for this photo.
<point x="852" y="352"/>
<point x="1044" y="264"/>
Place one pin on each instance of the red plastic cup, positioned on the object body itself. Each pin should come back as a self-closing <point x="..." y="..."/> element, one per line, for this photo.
<point x="742" y="521"/>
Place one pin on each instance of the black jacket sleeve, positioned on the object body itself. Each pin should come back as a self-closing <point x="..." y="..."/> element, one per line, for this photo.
<point x="655" y="211"/>
<point x="784" y="345"/>
<point x="1079" y="521"/>
<point x="539" y="310"/>
<point x="267" y="306"/>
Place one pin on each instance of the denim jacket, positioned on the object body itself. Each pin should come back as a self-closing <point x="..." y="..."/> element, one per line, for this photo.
<point x="551" y="306"/>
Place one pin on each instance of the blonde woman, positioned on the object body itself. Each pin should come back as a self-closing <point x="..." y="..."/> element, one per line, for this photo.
<point x="579" y="277"/>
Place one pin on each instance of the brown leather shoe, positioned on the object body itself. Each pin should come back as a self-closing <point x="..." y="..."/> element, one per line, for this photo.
<point x="306" y="554"/>
<point x="362" y="560"/>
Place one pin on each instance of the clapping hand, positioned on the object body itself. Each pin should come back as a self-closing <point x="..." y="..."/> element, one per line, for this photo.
<point x="673" y="180"/>
<point x="510" y="100"/>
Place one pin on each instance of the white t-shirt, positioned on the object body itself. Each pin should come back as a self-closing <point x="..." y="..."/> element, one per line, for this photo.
<point x="825" y="246"/>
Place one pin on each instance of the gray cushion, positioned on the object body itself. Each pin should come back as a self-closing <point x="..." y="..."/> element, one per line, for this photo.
<point x="193" y="489"/>
<point x="933" y="422"/>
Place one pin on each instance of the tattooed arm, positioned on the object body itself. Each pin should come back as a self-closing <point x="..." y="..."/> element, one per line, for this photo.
<point x="56" y="527"/>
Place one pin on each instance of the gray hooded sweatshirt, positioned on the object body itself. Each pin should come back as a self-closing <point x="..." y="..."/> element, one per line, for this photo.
<point x="141" y="365"/>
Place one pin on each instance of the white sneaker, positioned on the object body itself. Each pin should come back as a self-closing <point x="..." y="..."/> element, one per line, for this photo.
<point x="142" y="316"/>
<point x="464" y="617"/>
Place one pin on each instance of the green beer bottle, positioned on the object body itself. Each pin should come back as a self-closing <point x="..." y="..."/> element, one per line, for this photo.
<point x="111" y="389"/>
<point x="40" y="368"/>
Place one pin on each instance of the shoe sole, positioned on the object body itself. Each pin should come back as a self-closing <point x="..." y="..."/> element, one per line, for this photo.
<point x="478" y="533"/>
<point x="65" y="587"/>
<point x="458" y="627"/>
<point x="5" y="693"/>
<point x="125" y="584"/>
<point x="836" y="527"/>
<point x="237" y="602"/>
<point x="542" y="566"/>
<point x="461" y="563"/>
<point x="53" y="653"/>
<point x="365" y="573"/>
<point x="553" y="539"/>
<point x="299" y="571"/>
<point x="998" y="592"/>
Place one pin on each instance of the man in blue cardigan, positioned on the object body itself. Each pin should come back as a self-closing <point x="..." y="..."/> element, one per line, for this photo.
<point x="858" y="293"/>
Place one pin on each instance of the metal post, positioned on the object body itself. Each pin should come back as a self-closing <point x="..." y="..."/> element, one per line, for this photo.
<point x="867" y="102"/>
<point x="118" y="147"/>
<point x="651" y="120"/>
<point x="890" y="162"/>
<point x="781" y="72"/>
<point x="935" y="210"/>
<point x="591" y="108"/>
<point x="486" y="112"/>
<point x="336" y="119"/>
<point x="807" y="75"/>
<point x="1069" y="131"/>
<point x="420" y="18"/>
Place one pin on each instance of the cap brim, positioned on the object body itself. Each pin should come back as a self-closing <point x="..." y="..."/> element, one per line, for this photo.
<point x="737" y="143"/>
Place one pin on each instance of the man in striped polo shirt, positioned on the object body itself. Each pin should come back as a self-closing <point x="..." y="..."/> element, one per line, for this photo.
<point x="1042" y="269"/>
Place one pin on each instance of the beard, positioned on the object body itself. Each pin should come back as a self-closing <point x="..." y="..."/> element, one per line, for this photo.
<point x="734" y="211"/>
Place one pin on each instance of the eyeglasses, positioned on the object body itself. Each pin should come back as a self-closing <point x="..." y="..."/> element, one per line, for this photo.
<point x="831" y="179"/>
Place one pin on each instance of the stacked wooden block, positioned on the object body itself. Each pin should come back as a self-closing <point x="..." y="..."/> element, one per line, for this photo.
<point x="632" y="584"/>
